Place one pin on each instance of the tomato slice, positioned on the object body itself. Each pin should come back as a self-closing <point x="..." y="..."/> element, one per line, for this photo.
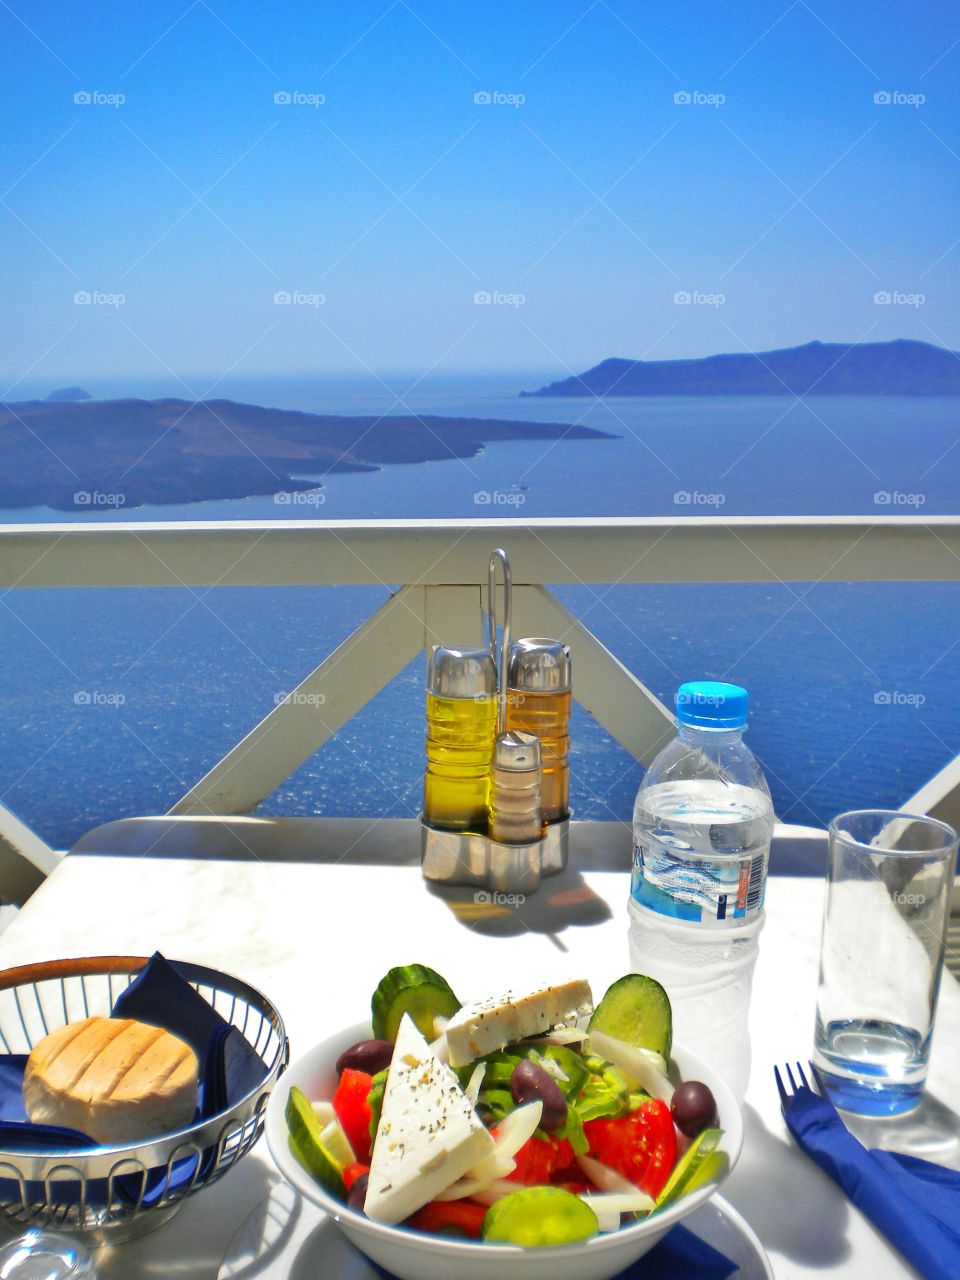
<point x="354" y="1171"/>
<point x="642" y="1145"/>
<point x="353" y="1110"/>
<point x="539" y="1158"/>
<point x="450" y="1217"/>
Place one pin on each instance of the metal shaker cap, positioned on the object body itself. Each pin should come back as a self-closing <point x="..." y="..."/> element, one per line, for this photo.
<point x="454" y="672"/>
<point x="539" y="665"/>
<point x="519" y="752"/>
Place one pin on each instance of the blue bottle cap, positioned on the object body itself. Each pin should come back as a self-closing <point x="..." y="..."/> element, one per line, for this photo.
<point x="711" y="704"/>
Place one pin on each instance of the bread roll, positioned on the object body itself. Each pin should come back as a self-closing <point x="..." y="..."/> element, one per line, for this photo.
<point x="114" y="1079"/>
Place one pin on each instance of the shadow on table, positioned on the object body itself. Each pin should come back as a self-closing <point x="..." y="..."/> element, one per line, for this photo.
<point x="931" y="1131"/>
<point x="793" y="1206"/>
<point x="192" y="1244"/>
<point x="561" y="902"/>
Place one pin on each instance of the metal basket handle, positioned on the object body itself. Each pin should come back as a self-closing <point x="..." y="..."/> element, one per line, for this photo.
<point x="75" y="968"/>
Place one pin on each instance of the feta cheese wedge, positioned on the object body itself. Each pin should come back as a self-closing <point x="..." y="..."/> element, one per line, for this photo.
<point x="429" y="1134"/>
<point x="487" y="1025"/>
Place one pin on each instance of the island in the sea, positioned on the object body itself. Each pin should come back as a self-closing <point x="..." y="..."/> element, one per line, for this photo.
<point x="166" y="451"/>
<point x="899" y="368"/>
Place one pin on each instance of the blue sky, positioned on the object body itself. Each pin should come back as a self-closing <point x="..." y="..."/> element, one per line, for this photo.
<point x="783" y="188"/>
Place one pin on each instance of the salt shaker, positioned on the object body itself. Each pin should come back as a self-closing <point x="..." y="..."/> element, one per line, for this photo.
<point x="516" y="811"/>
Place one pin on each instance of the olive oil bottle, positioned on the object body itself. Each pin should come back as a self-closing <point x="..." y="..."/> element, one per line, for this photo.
<point x="461" y="728"/>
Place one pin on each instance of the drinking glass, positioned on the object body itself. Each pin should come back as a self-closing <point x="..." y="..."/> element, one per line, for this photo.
<point x="889" y="882"/>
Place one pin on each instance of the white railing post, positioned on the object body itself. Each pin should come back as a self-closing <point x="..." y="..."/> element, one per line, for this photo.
<point x="25" y="859"/>
<point x="313" y="712"/>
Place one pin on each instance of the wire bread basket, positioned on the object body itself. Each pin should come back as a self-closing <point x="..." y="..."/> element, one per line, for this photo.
<point x="118" y="1192"/>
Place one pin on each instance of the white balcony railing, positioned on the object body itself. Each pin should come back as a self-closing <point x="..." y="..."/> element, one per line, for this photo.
<point x="437" y="572"/>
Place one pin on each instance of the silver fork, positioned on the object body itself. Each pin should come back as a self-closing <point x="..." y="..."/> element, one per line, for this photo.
<point x="786" y="1094"/>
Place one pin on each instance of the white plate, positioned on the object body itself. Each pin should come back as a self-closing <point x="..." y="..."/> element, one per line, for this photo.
<point x="287" y="1238"/>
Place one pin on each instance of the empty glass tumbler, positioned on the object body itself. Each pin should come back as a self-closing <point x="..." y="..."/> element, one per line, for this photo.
<point x="889" y="882"/>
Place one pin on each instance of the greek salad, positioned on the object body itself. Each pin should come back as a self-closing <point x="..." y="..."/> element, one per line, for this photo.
<point x="531" y="1118"/>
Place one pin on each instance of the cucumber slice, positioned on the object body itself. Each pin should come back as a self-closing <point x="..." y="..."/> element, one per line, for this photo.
<point x="308" y="1146"/>
<point x="636" y="1009"/>
<point x="700" y="1163"/>
<point x="539" y="1216"/>
<point x="414" y="989"/>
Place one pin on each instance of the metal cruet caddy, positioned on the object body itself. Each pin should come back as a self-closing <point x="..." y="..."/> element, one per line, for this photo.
<point x="496" y="757"/>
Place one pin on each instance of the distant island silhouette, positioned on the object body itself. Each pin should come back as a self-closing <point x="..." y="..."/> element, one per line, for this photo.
<point x="899" y="368"/>
<point x="69" y="393"/>
<point x="71" y="454"/>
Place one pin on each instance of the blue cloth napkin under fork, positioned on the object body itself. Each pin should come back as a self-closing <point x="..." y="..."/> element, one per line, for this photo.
<point x="914" y="1203"/>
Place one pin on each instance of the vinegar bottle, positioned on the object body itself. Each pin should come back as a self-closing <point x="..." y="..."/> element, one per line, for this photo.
<point x="461" y="727"/>
<point x="539" y="698"/>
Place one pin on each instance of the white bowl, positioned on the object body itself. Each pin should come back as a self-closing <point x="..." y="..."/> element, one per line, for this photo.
<point x="414" y="1255"/>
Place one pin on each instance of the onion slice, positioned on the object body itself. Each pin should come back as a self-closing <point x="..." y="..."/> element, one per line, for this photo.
<point x="640" y="1066"/>
<point x="324" y="1112"/>
<point x="491" y="1170"/>
<point x="607" y="1222"/>
<point x="496" y="1191"/>
<point x="561" y="1036"/>
<point x="517" y="1127"/>
<point x="472" y="1090"/>
<point x="603" y="1177"/>
<point x="617" y="1202"/>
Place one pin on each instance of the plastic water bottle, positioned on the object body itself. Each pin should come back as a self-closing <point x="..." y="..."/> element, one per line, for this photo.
<point x="702" y="825"/>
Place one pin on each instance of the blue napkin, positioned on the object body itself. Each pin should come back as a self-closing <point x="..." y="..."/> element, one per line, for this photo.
<point x="914" y="1203"/>
<point x="229" y="1069"/>
<point x="681" y="1253"/>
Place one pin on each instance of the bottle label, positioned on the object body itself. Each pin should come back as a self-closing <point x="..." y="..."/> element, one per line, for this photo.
<point x="703" y="890"/>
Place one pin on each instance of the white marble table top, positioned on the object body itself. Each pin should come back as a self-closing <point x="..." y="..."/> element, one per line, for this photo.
<point x="313" y="913"/>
